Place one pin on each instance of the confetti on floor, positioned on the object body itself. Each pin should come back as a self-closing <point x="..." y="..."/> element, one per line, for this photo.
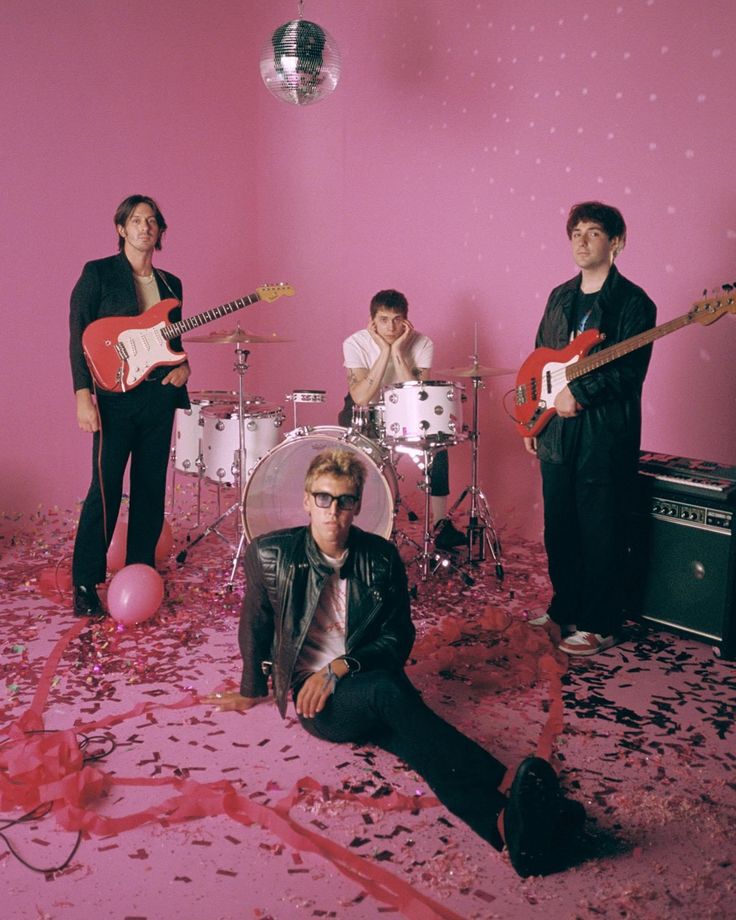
<point x="188" y="812"/>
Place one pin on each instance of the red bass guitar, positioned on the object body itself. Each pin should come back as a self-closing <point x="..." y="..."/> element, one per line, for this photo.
<point x="122" y="350"/>
<point x="547" y="371"/>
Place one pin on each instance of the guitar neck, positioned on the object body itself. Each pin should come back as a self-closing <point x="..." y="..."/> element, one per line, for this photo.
<point x="173" y="330"/>
<point x="599" y="358"/>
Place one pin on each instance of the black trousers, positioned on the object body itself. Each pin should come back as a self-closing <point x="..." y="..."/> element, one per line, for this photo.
<point x="585" y="509"/>
<point x="384" y="708"/>
<point x="137" y="426"/>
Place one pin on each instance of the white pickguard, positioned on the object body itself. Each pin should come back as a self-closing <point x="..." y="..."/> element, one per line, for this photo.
<point x="553" y="381"/>
<point x="146" y="348"/>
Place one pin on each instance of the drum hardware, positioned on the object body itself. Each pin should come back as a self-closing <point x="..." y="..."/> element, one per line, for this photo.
<point x="239" y="467"/>
<point x="481" y="531"/>
<point x="305" y="396"/>
<point x="368" y="421"/>
<point x="429" y="560"/>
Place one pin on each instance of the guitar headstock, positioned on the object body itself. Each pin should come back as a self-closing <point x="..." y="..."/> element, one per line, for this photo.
<point x="710" y="309"/>
<point x="271" y="292"/>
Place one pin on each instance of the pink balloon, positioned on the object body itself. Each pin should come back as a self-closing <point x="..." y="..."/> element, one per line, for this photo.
<point x="165" y="543"/>
<point x="135" y="594"/>
<point x="118" y="546"/>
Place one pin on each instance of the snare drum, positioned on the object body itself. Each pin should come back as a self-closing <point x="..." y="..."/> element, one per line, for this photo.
<point x="274" y="494"/>
<point x="424" y="412"/>
<point x="187" y="451"/>
<point x="368" y="421"/>
<point x="221" y="439"/>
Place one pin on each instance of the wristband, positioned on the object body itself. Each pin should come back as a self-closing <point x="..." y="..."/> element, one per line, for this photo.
<point x="330" y="679"/>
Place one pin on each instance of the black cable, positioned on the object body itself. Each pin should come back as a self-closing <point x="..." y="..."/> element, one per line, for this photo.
<point x="43" y="809"/>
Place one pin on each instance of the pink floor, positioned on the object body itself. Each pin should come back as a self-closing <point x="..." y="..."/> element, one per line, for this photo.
<point x="192" y="813"/>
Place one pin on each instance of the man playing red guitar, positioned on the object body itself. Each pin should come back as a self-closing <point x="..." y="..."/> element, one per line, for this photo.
<point x="135" y="424"/>
<point x="589" y="449"/>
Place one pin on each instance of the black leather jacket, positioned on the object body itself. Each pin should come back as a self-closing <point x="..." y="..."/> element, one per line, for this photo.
<point x="284" y="578"/>
<point x="609" y="428"/>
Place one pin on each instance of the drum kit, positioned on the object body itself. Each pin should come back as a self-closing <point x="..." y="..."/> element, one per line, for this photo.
<point x="233" y="440"/>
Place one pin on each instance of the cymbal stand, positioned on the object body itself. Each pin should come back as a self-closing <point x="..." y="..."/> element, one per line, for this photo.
<point x="430" y="561"/>
<point x="240" y="367"/>
<point x="481" y="531"/>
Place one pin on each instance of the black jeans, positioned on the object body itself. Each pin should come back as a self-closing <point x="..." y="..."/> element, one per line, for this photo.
<point x="384" y="708"/>
<point x="135" y="425"/>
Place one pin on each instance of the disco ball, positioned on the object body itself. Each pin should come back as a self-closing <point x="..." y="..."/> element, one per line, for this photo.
<point x="300" y="63"/>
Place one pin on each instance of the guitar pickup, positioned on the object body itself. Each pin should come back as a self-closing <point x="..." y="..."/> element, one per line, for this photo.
<point x="122" y="351"/>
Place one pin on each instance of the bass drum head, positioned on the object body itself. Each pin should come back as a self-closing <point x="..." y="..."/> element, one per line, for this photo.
<point x="273" y="497"/>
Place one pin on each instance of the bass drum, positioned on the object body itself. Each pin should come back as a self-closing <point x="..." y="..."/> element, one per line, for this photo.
<point x="273" y="497"/>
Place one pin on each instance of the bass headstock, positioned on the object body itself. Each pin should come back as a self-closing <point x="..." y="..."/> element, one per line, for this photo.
<point x="709" y="309"/>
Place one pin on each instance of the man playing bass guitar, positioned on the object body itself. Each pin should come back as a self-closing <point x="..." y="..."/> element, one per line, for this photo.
<point x="589" y="449"/>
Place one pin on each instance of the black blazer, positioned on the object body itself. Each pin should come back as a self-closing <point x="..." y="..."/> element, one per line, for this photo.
<point x="106" y="288"/>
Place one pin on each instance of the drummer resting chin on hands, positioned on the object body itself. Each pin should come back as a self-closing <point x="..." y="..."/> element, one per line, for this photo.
<point x="326" y="612"/>
<point x="388" y="351"/>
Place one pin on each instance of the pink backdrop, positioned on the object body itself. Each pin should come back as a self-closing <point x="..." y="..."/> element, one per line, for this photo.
<point x="443" y="165"/>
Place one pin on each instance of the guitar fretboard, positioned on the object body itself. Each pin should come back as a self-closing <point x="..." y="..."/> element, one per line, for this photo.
<point x="599" y="358"/>
<point x="705" y="312"/>
<point x="174" y="330"/>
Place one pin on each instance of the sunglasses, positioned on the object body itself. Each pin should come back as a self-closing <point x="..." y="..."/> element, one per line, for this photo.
<point x="344" y="502"/>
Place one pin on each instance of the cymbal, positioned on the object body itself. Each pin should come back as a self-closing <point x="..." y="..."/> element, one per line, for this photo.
<point x="473" y="370"/>
<point x="237" y="336"/>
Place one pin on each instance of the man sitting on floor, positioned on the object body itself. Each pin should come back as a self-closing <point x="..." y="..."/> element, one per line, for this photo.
<point x="326" y="613"/>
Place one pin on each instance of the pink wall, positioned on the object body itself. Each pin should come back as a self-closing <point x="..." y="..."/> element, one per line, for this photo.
<point x="443" y="165"/>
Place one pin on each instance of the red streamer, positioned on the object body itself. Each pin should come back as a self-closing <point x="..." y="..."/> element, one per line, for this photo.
<point x="38" y="767"/>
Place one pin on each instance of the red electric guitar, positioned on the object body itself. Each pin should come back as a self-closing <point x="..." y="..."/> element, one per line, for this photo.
<point x="122" y="350"/>
<point x="547" y="371"/>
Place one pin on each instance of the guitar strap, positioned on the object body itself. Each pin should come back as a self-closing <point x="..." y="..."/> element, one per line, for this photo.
<point x="161" y="276"/>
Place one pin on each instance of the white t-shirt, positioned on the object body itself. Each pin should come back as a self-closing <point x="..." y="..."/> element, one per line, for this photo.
<point x="325" y="639"/>
<point x="359" y="350"/>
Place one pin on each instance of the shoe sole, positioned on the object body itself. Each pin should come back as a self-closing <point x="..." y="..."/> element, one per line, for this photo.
<point x="586" y="653"/>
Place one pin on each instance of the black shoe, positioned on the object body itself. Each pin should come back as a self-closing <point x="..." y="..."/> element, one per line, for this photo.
<point x="447" y="536"/>
<point x="86" y="602"/>
<point x="539" y="823"/>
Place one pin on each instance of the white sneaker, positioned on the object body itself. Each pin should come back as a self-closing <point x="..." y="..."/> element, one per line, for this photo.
<point x="586" y="643"/>
<point x="544" y="619"/>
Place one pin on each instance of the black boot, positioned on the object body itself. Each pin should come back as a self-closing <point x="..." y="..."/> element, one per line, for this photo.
<point x="539" y="822"/>
<point x="86" y="602"/>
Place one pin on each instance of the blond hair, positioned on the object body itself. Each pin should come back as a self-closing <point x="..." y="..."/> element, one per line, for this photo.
<point x="338" y="462"/>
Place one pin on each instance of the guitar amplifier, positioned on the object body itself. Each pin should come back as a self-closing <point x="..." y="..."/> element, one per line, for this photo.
<point x="682" y="548"/>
